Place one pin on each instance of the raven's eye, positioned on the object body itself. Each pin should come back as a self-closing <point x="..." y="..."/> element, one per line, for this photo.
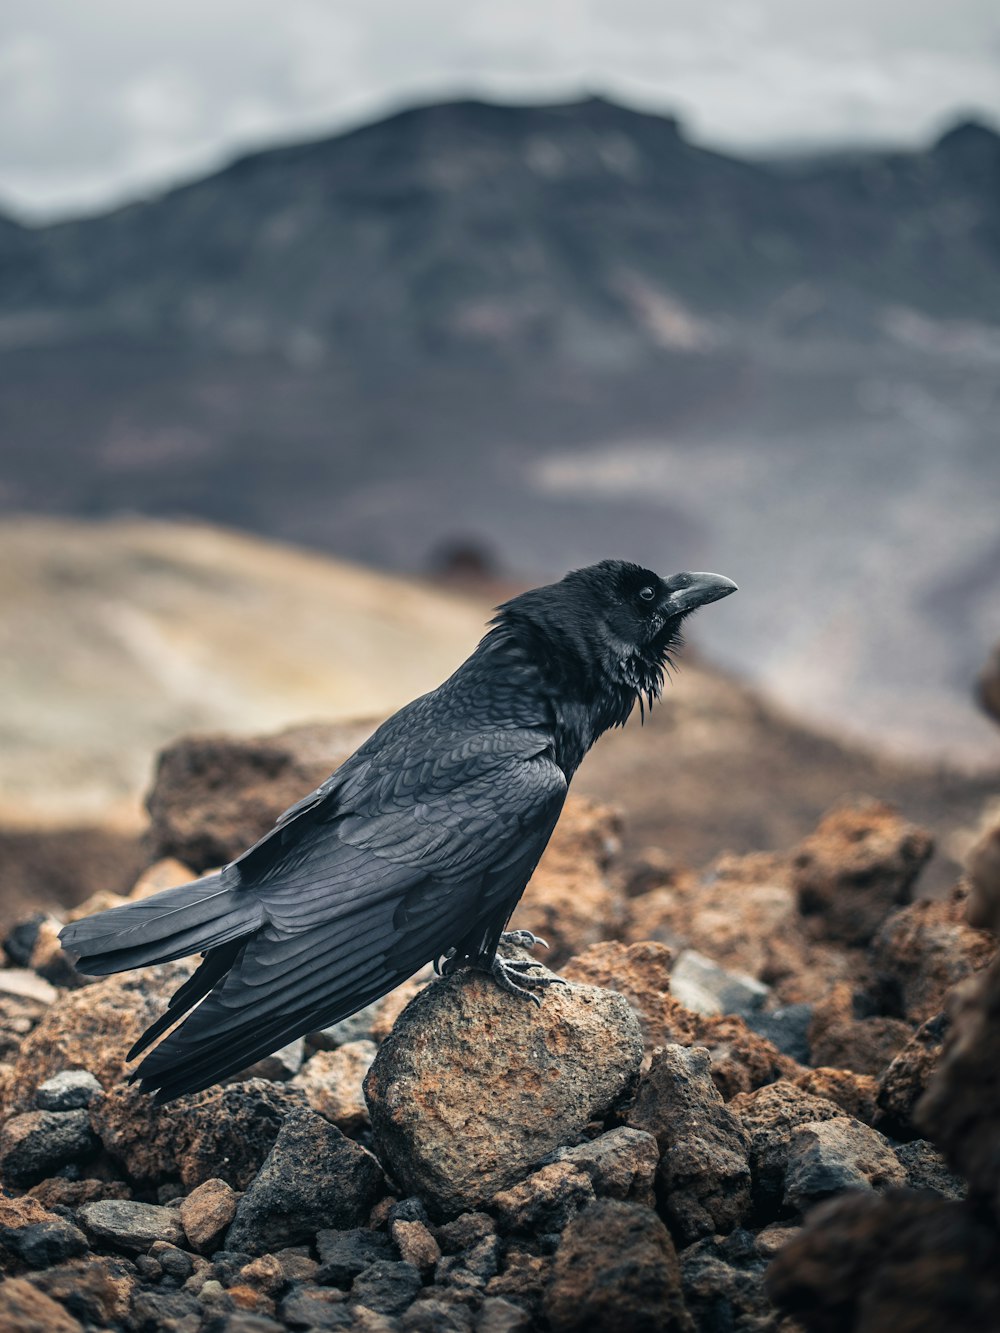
<point x="647" y="594"/>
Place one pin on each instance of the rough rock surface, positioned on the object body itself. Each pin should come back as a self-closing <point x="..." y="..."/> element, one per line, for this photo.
<point x="206" y="1214"/>
<point x="616" y="1267"/>
<point x="69" y="1090"/>
<point x="25" y="1309"/>
<point x="704" y="1172"/>
<point x="769" y="1117"/>
<point x="549" y="1070"/>
<point x="641" y="972"/>
<point x="854" y="1093"/>
<point x="826" y="1157"/>
<point x="723" y="1280"/>
<point x="93" y="1029"/>
<point x="621" y="1164"/>
<point x="860" y="862"/>
<point x="904" y="1080"/>
<point x="331" y="1083"/>
<point x="131" y="1225"/>
<point x="839" y="1039"/>
<point x="39" y="1143"/>
<point x="925" y="949"/>
<point x="314" y="1177"/>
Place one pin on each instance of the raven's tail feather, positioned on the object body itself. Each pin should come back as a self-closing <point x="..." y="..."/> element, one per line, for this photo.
<point x="191" y="918"/>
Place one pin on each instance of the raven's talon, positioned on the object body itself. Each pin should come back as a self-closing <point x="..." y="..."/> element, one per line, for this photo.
<point x="523" y="939"/>
<point x="501" y="970"/>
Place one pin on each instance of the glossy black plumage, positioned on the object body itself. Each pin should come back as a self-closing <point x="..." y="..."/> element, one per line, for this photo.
<point x="421" y="843"/>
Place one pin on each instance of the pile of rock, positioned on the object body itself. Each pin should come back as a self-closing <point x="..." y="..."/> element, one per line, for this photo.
<point x="758" y="1103"/>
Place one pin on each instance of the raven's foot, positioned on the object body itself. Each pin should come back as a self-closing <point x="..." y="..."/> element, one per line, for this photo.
<point x="523" y="939"/>
<point x="508" y="972"/>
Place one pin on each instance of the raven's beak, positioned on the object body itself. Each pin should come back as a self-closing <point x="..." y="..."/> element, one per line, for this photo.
<point x="685" y="592"/>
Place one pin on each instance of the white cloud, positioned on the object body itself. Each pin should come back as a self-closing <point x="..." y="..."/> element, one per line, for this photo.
<point x="107" y="99"/>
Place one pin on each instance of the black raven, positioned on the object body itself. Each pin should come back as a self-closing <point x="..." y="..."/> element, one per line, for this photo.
<point x="420" y="845"/>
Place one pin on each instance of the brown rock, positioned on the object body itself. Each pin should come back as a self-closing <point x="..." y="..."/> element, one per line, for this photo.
<point x="925" y="949"/>
<point x="621" y="1164"/>
<point x="223" y="1132"/>
<point x="570" y="903"/>
<point x="331" y="1083"/>
<point x="864" y="1263"/>
<point x="49" y="960"/>
<point x="854" y="1093"/>
<point x="704" y="1172"/>
<point x="25" y="1309"/>
<point x="163" y="874"/>
<point x="214" y="796"/>
<point x="265" y="1273"/>
<point x="743" y="913"/>
<point x="18" y="1015"/>
<point x="904" y="1080"/>
<point x="960" y="1111"/>
<point x="523" y="1277"/>
<point x="769" y="1117"/>
<point x="616" y="1268"/>
<point x="983" y="907"/>
<point x="741" y="1058"/>
<point x="387" y="1010"/>
<point x="641" y="972"/>
<point x="93" y="1029"/>
<point x="98" y="1289"/>
<point x="860" y="862"/>
<point x="864" y="1045"/>
<point x="206" y="1213"/>
<point x="416" y="1245"/>
<point x="471" y="1089"/>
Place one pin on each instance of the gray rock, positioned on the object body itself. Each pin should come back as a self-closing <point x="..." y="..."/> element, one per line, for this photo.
<point x="926" y="1169"/>
<point x="314" y="1177"/>
<point x="38" y="1143"/>
<point x="473" y="1087"/>
<point x="701" y="984"/>
<point x="704" y="1171"/>
<point x="130" y="1225"/>
<point x="42" y="1244"/>
<point x="829" y="1156"/>
<point x="621" y="1164"/>
<point x="433" y="1315"/>
<point x="345" y="1254"/>
<point x="68" y="1091"/>
<point x="279" y="1066"/>
<point x="723" y="1280"/>
<point x="386" y="1287"/>
<point x="787" y="1027"/>
<point x="464" y="1232"/>
<point x="314" y="1308"/>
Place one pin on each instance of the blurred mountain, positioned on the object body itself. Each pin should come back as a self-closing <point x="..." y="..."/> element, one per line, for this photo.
<point x="558" y="332"/>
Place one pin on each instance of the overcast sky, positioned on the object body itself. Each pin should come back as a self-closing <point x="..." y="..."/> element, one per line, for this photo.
<point x="102" y="100"/>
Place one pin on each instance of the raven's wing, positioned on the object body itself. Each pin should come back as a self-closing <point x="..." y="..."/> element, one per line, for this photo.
<point x="388" y="868"/>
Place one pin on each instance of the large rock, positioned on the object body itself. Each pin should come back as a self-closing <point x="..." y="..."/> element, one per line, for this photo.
<point x="474" y="1086"/>
<point x="704" y="1172"/>
<point x="860" y="863"/>
<point x="313" y="1178"/>
<point x="616" y="1268"/>
<point x="865" y="1263"/>
<point x="93" y="1029"/>
<point x="923" y="950"/>
<point x="213" y="796"/>
<point x="826" y="1157"/>
<point x="223" y="1132"/>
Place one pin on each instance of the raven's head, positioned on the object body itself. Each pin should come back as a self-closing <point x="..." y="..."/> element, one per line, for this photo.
<point x="636" y="617"/>
<point x="613" y="625"/>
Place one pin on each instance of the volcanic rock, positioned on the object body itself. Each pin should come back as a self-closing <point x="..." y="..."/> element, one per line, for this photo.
<point x="769" y="1117"/>
<point x="93" y="1029"/>
<point x="544" y="1201"/>
<point x="904" y="1080"/>
<point x="415" y="1244"/>
<point x="860" y="862"/>
<point x="313" y="1178"/>
<point x="206" y="1213"/>
<point x="723" y="1279"/>
<point x="38" y="1143"/>
<point x="331" y="1083"/>
<point x="33" y="1237"/>
<point x="471" y="1089"/>
<point x="925" y="949"/>
<point x="67" y="1091"/>
<point x="840" y="1040"/>
<point x="344" y="1254"/>
<point x="621" y="1164"/>
<point x="641" y="972"/>
<point x="926" y="1169"/>
<point x="704" y="1172"/>
<point x="616" y="1267"/>
<point x="25" y="1309"/>
<point x="741" y="1059"/>
<point x="131" y="1226"/>
<point x="826" y="1157"/>
<point x="386" y="1286"/>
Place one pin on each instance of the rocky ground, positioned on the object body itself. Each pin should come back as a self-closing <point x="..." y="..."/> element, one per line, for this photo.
<point x="767" y="1098"/>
